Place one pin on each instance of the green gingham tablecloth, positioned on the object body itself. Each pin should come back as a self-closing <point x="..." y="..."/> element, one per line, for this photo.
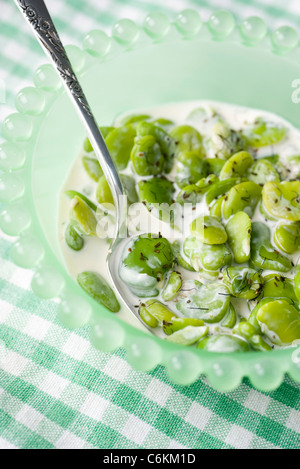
<point x="55" y="390"/>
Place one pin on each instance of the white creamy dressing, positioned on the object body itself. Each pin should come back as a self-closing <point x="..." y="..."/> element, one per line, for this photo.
<point x="93" y="256"/>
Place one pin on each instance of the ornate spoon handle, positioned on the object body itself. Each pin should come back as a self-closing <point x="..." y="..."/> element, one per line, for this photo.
<point x="38" y="17"/>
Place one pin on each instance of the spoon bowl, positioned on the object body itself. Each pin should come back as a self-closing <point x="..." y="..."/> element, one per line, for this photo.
<point x="128" y="299"/>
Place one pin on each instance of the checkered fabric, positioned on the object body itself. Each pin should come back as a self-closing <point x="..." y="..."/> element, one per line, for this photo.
<point x="55" y="390"/>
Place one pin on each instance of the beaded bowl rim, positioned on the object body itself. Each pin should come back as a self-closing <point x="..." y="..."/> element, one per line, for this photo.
<point x="50" y="280"/>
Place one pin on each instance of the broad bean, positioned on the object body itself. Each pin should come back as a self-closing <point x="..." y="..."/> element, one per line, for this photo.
<point x="147" y="318"/>
<point x="220" y="188"/>
<point x="135" y="119"/>
<point x="194" y="193"/>
<point x="172" y="287"/>
<point x="177" y="324"/>
<point x="105" y="131"/>
<point x="87" y="146"/>
<point x="294" y="159"/>
<point x="263" y="171"/>
<point x="215" y="209"/>
<point x="245" y="329"/>
<point x="277" y="286"/>
<point x="147" y="157"/>
<point x="97" y="287"/>
<point x="129" y="186"/>
<point x="287" y="237"/>
<point x="259" y="344"/>
<point x="283" y="171"/>
<point x="166" y="143"/>
<point x="243" y="282"/>
<point x="280" y="322"/>
<point x="208" y="302"/>
<point x="253" y="315"/>
<point x="92" y="167"/>
<point x="176" y="248"/>
<point x="224" y="344"/>
<point x="230" y="318"/>
<point x="73" y="238"/>
<point x="263" y="255"/>
<point x="282" y="200"/>
<point x="237" y="165"/>
<point x="164" y="123"/>
<point x="190" y="335"/>
<point x="273" y="159"/>
<point x="215" y="165"/>
<point x="72" y="194"/>
<point x="156" y="190"/>
<point x="159" y="311"/>
<point x="104" y="195"/>
<point x="120" y="143"/>
<point x="243" y="197"/>
<point x="206" y="256"/>
<point x="226" y="142"/>
<point x="144" y="264"/>
<point x="83" y="217"/>
<point x="264" y="133"/>
<point x="190" y="168"/>
<point x="103" y="192"/>
<point x="297" y="284"/>
<point x="239" y="231"/>
<point x="209" y="230"/>
<point x="249" y="332"/>
<point x="187" y="138"/>
<point x="201" y="115"/>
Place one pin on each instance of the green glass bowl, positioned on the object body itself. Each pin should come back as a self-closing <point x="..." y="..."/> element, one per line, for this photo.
<point x="137" y="67"/>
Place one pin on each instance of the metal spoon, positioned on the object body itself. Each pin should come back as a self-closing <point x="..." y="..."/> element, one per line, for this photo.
<point x="37" y="15"/>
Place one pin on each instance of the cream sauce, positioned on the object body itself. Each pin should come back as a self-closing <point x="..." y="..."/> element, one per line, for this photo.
<point x="93" y="255"/>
